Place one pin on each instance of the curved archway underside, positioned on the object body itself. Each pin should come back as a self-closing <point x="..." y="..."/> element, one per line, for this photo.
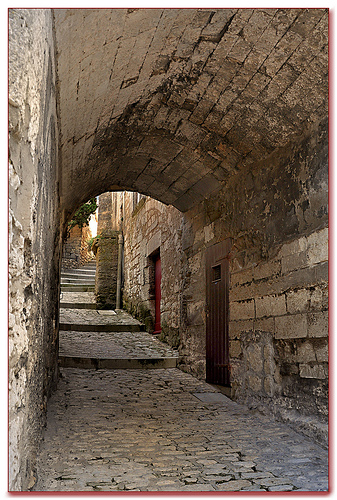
<point x="171" y="102"/>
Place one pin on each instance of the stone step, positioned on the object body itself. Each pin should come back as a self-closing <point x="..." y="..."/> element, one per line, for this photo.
<point x="86" y="320"/>
<point x="84" y="274"/>
<point x="77" y="288"/>
<point x="79" y="305"/>
<point x="118" y="350"/>
<point x="117" y="363"/>
<point x="81" y="300"/>
<point x="84" y="327"/>
<point x="77" y="281"/>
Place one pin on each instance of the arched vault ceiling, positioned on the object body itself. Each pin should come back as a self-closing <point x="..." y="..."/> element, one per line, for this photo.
<point x="170" y="102"/>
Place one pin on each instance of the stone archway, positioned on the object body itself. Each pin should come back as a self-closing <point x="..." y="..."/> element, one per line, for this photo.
<point x="221" y="113"/>
<point x="173" y="102"/>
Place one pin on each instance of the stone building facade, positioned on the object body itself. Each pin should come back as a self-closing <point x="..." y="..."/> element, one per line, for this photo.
<point x="220" y="113"/>
<point x="76" y="251"/>
<point x="152" y="229"/>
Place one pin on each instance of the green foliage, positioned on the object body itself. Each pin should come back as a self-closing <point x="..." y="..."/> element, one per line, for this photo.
<point x="83" y="214"/>
<point x="93" y="243"/>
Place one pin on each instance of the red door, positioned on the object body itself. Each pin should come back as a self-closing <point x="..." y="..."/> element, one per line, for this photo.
<point x="157" y="289"/>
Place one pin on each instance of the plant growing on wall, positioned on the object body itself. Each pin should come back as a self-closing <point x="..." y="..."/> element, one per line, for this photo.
<point x="82" y="215"/>
<point x="93" y="243"/>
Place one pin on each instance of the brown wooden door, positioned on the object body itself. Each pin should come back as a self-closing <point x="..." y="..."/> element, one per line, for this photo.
<point x="217" y="288"/>
<point x="157" y="287"/>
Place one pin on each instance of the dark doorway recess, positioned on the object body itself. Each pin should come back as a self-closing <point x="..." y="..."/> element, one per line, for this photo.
<point x="217" y="302"/>
<point x="157" y="288"/>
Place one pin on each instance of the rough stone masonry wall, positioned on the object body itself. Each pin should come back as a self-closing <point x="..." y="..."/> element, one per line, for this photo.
<point x="275" y="212"/>
<point x="34" y="238"/>
<point x="279" y="333"/>
<point x="106" y="248"/>
<point x="75" y="250"/>
<point x="150" y="226"/>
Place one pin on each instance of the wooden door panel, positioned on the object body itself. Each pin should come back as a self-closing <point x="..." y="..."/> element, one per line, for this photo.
<point x="157" y="280"/>
<point x="217" y="287"/>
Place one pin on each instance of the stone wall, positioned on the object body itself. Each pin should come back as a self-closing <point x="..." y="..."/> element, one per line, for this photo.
<point x="76" y="252"/>
<point x="151" y="228"/>
<point x="106" y="249"/>
<point x="279" y="333"/>
<point x="276" y="217"/>
<point x="35" y="240"/>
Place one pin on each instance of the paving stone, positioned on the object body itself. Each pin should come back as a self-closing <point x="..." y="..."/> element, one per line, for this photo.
<point x="284" y="487"/>
<point x="129" y="433"/>
<point x="234" y="485"/>
<point x="129" y="430"/>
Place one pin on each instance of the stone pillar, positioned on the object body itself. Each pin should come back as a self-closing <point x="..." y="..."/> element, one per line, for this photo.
<point x="106" y="254"/>
<point x="106" y="270"/>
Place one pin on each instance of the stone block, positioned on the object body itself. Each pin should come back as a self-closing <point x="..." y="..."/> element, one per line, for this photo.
<point x="214" y="31"/>
<point x="291" y="326"/>
<point x="255" y="383"/>
<point x="298" y="301"/>
<point x="318" y="324"/>
<point x="315" y="371"/>
<point x="254" y="358"/>
<point x="209" y="232"/>
<point x="293" y="247"/>
<point x="293" y="261"/>
<point x="267" y="269"/>
<point x="269" y="386"/>
<point x="321" y="272"/>
<point x="242" y="310"/>
<point x="235" y="348"/>
<point x="236" y="328"/>
<point x="317" y="299"/>
<point x="318" y="247"/>
<point x="269" y="367"/>
<point x="305" y="352"/>
<point x="266" y="325"/>
<point x="242" y="276"/>
<point x="271" y="305"/>
<point x="322" y="353"/>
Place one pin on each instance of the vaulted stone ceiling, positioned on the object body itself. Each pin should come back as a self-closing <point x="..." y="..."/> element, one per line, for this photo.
<point x="171" y="102"/>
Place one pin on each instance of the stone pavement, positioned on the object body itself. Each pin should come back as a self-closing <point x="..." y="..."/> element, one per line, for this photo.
<point x="108" y="339"/>
<point x="164" y="430"/>
<point x="97" y="320"/>
<point x="160" y="429"/>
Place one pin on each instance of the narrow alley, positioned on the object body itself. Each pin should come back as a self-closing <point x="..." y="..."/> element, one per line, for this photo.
<point x="168" y="249"/>
<point x="153" y="427"/>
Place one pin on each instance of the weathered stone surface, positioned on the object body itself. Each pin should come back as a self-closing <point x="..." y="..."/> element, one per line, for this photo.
<point x="133" y="441"/>
<point x="35" y="240"/>
<point x="214" y="58"/>
<point x="242" y="310"/>
<point x="312" y="371"/>
<point x="221" y="113"/>
<point x="270" y="306"/>
<point x="291" y="327"/>
<point x="318" y="324"/>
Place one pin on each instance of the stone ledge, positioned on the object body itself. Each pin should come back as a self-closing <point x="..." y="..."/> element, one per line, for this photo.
<point x="117" y="364"/>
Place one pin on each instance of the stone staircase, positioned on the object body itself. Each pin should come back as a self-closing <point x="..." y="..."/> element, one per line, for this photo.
<point x="79" y="280"/>
<point x="103" y="339"/>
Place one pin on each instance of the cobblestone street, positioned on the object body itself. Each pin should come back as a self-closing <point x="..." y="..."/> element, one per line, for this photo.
<point x="164" y="430"/>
